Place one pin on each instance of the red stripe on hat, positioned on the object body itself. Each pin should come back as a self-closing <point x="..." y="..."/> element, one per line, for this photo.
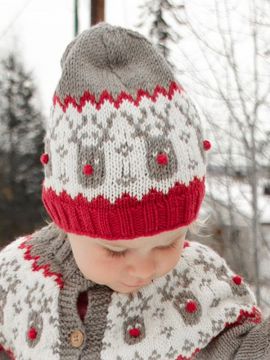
<point x="106" y="96"/>
<point x="127" y="217"/>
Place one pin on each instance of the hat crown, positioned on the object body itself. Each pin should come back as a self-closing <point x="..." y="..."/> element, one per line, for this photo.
<point x="111" y="58"/>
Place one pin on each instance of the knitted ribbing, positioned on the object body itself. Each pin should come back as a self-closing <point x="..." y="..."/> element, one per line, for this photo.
<point x="73" y="284"/>
<point x="124" y="151"/>
<point x="242" y="342"/>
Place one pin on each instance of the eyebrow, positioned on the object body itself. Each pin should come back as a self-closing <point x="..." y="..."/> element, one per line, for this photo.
<point x="122" y="247"/>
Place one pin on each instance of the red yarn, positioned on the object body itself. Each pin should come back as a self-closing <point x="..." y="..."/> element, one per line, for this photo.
<point x="254" y="316"/>
<point x="186" y="244"/>
<point x="44" y="158"/>
<point x="237" y="279"/>
<point x="8" y="352"/>
<point x="88" y="169"/>
<point x="32" y="333"/>
<point x="116" y="102"/>
<point x="191" y="306"/>
<point x="162" y="159"/>
<point x="207" y="145"/>
<point x="45" y="269"/>
<point x="180" y="357"/>
<point x="135" y="332"/>
<point x="128" y="214"/>
<point x="82" y="304"/>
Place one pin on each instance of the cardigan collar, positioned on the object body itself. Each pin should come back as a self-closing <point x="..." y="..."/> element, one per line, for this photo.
<point x="51" y="247"/>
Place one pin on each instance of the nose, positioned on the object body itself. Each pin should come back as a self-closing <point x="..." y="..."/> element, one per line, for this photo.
<point x="142" y="267"/>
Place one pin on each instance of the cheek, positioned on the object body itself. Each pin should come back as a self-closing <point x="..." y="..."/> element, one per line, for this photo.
<point x="107" y="271"/>
<point x="85" y="256"/>
<point x="107" y="265"/>
<point x="172" y="258"/>
<point x="168" y="260"/>
<point x="99" y="268"/>
<point x="84" y="261"/>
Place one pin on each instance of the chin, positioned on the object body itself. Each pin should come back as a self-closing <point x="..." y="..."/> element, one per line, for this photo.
<point x="128" y="291"/>
<point x="123" y="289"/>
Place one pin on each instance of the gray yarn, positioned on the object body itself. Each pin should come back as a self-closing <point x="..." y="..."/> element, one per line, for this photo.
<point x="110" y="65"/>
<point x="50" y="243"/>
<point x="243" y="342"/>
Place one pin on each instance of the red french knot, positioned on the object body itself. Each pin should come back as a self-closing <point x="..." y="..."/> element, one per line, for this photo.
<point x="162" y="159"/>
<point x="44" y="158"/>
<point x="186" y="244"/>
<point x="135" y="332"/>
<point x="88" y="169"/>
<point x="32" y="333"/>
<point x="191" y="306"/>
<point x="207" y="145"/>
<point x="237" y="279"/>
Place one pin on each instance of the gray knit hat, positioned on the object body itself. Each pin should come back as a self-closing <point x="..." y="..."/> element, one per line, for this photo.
<point x="124" y="153"/>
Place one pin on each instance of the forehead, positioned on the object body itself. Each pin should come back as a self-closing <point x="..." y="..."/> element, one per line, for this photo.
<point x="155" y="240"/>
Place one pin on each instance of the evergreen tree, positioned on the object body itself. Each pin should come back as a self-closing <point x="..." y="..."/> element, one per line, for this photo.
<point x="159" y="16"/>
<point x="21" y="143"/>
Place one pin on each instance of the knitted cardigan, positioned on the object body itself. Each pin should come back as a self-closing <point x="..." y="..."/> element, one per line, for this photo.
<point x="49" y="310"/>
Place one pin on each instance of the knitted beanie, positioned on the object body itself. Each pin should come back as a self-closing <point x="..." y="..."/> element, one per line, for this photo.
<point x="124" y="153"/>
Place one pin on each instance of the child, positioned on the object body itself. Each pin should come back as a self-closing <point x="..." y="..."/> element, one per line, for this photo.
<point x="113" y="277"/>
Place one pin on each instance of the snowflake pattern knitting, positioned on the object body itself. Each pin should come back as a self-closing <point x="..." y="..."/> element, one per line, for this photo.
<point x="172" y="318"/>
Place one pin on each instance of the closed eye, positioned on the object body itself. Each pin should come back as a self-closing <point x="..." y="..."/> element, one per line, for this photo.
<point x="119" y="254"/>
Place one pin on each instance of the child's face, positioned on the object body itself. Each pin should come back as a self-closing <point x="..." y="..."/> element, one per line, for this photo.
<point x="127" y="265"/>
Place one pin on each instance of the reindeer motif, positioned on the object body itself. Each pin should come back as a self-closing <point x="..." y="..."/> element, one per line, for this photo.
<point x="91" y="159"/>
<point x="161" y="159"/>
<point x="131" y="312"/>
<point x="177" y="280"/>
<point x="192" y="118"/>
<point x="150" y="124"/>
<point x="35" y="320"/>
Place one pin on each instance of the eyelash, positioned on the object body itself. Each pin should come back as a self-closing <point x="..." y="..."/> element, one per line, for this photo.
<point x="119" y="254"/>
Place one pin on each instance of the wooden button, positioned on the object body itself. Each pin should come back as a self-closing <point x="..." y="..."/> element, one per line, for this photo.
<point x="76" y="338"/>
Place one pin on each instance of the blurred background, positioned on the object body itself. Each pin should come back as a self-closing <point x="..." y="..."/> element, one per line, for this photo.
<point x="220" y="52"/>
